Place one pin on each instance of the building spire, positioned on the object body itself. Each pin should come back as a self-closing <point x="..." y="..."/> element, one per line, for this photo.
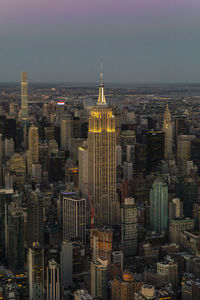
<point x="101" y="72"/>
<point x="101" y="98"/>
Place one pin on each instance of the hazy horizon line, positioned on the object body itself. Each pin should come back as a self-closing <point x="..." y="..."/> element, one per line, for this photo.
<point x="88" y="83"/>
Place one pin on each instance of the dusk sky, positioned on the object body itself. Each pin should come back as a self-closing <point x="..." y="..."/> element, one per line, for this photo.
<point x="141" y="41"/>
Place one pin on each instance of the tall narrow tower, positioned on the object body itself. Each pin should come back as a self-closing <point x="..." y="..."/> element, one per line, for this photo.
<point x="36" y="272"/>
<point x="1" y="161"/>
<point x="35" y="218"/>
<point x="33" y="142"/>
<point x="24" y="95"/>
<point x="102" y="161"/>
<point x="53" y="280"/>
<point x="159" y="206"/>
<point x="167" y="128"/>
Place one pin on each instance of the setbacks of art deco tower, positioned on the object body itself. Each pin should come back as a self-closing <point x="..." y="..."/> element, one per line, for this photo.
<point x="102" y="162"/>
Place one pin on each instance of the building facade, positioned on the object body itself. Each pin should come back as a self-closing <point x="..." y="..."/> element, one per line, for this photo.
<point x="124" y="287"/>
<point x="101" y="243"/>
<point x="24" y="95"/>
<point x="36" y="272"/>
<point x="33" y="143"/>
<point x="35" y="218"/>
<point x="129" y="225"/>
<point x="167" y="129"/>
<point x="53" y="280"/>
<point x="99" y="278"/>
<point x="74" y="218"/>
<point x="102" y="162"/>
<point x="159" y="206"/>
<point x="15" y="237"/>
<point x="155" y="149"/>
<point x="83" y="169"/>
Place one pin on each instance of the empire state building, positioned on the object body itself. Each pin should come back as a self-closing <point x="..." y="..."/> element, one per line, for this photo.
<point x="102" y="162"/>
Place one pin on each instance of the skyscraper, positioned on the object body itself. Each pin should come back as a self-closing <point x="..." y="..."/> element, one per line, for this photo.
<point x="35" y="218"/>
<point x="141" y="157"/>
<point x="66" y="261"/>
<point x="102" y="161"/>
<point x="128" y="171"/>
<point x="101" y="243"/>
<point x="33" y="142"/>
<point x="83" y="169"/>
<point x="180" y="125"/>
<point x="184" y="147"/>
<point x="129" y="225"/>
<point x="159" y="206"/>
<point x="53" y="280"/>
<point x="155" y="149"/>
<point x="187" y="191"/>
<point x="36" y="272"/>
<point x="24" y="95"/>
<point x="195" y="152"/>
<point x="63" y="134"/>
<point x="99" y="277"/>
<point x="127" y="138"/>
<point x="119" y="155"/>
<point x="60" y="108"/>
<point x="29" y="162"/>
<point x="1" y="163"/>
<point x="15" y="236"/>
<point x="168" y="271"/>
<point x="5" y="199"/>
<point x="74" y="218"/>
<point x="130" y="154"/>
<point x="175" y="209"/>
<point x="9" y="147"/>
<point x="167" y="128"/>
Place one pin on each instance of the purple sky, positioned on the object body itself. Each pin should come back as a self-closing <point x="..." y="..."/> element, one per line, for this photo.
<point x="63" y="40"/>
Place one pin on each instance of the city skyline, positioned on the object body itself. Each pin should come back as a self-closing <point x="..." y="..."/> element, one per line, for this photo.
<point x="141" y="42"/>
<point x="99" y="190"/>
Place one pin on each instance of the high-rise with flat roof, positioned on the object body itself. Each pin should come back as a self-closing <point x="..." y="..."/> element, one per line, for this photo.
<point x="83" y="169"/>
<point x="129" y="234"/>
<point x="24" y="95"/>
<point x="66" y="259"/>
<point x="167" y="128"/>
<point x="155" y="149"/>
<point x="74" y="218"/>
<point x="101" y="243"/>
<point x="33" y="143"/>
<point x="1" y="162"/>
<point x="159" y="206"/>
<point x="99" y="277"/>
<point x="53" y="280"/>
<point x="168" y="271"/>
<point x="35" y="218"/>
<point x="36" y="272"/>
<point x="15" y="237"/>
